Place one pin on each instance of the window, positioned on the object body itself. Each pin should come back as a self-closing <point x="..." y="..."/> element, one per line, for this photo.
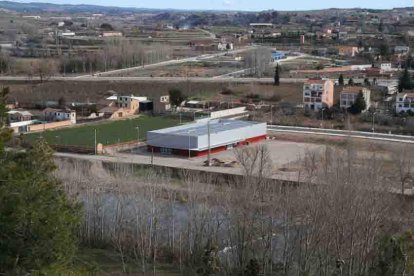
<point x="165" y="151"/>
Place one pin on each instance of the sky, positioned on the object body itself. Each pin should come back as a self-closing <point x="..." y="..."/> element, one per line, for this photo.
<point x="247" y="5"/>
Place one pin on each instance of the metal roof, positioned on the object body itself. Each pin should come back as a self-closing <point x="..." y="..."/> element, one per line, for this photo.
<point x="200" y="129"/>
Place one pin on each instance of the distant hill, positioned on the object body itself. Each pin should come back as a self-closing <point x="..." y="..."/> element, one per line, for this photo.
<point x="66" y="8"/>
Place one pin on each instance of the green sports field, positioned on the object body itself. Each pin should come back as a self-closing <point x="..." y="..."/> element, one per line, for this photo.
<point x="107" y="133"/>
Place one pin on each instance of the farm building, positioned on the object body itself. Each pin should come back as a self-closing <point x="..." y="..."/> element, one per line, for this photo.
<point x="193" y="139"/>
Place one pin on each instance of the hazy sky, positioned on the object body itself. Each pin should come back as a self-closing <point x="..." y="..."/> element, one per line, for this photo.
<point x="241" y="4"/>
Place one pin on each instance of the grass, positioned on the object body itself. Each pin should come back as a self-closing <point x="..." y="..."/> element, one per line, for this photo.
<point x="107" y="133"/>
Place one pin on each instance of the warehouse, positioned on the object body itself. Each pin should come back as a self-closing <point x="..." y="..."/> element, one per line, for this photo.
<point x="193" y="139"/>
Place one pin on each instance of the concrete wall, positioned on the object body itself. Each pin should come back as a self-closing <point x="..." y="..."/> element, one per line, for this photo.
<point x="41" y="127"/>
<point x="227" y="112"/>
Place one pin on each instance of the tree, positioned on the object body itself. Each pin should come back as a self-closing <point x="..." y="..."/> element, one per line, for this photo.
<point x="319" y="66"/>
<point x="405" y="81"/>
<point x="62" y="102"/>
<point x="277" y="77"/>
<point x="351" y="81"/>
<point x="176" y="97"/>
<point x="37" y="222"/>
<point x="381" y="27"/>
<point x="384" y="49"/>
<point x="252" y="268"/>
<point x="106" y="27"/>
<point x="359" y="105"/>
<point x="341" y="80"/>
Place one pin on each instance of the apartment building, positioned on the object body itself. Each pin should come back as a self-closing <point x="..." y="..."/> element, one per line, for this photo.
<point x="350" y="93"/>
<point x="318" y="93"/>
<point x="404" y="102"/>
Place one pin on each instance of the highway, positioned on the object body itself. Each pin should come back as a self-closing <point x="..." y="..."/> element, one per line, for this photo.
<point x="342" y="133"/>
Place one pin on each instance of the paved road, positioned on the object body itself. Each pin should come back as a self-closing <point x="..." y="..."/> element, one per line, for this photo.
<point x="343" y="133"/>
<point x="221" y="79"/>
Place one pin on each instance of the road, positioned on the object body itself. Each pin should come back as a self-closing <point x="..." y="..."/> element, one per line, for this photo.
<point x="343" y="133"/>
<point x="153" y="79"/>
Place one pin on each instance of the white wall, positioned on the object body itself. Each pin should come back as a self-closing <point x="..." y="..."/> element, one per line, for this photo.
<point x="227" y="112"/>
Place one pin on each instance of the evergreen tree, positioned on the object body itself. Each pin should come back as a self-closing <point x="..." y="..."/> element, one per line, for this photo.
<point x="405" y="81"/>
<point x="37" y="222"/>
<point x="341" y="80"/>
<point x="277" y="76"/>
<point x="359" y="104"/>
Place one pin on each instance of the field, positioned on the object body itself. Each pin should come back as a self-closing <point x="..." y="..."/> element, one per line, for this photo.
<point x="29" y="93"/>
<point x="189" y="69"/>
<point x="107" y="133"/>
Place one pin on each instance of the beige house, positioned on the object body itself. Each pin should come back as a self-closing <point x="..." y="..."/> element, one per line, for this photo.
<point x="350" y="93"/>
<point x="121" y="106"/>
<point x="348" y="51"/>
<point x="162" y="104"/>
<point x="317" y="94"/>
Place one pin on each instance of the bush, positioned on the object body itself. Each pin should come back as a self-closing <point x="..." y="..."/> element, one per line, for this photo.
<point x="227" y="91"/>
<point x="253" y="96"/>
<point x="274" y="98"/>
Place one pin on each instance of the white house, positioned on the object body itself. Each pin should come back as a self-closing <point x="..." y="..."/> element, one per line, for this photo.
<point x="404" y="102"/>
<point x="401" y="50"/>
<point x="53" y="115"/>
<point x="225" y="46"/>
<point x="386" y="67"/>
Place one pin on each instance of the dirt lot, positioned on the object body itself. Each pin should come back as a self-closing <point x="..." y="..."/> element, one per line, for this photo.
<point x="290" y="155"/>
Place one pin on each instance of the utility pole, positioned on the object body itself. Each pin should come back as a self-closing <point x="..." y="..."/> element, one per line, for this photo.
<point x="95" y="142"/>
<point x="209" y="144"/>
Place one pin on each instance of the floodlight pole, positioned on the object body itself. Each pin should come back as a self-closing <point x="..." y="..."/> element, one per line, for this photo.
<point x="95" y="142"/>
<point x="152" y="155"/>
<point x="271" y="114"/>
<point x="138" y="134"/>
<point x="209" y="144"/>
<point x="373" y="122"/>
<point x="189" y="142"/>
